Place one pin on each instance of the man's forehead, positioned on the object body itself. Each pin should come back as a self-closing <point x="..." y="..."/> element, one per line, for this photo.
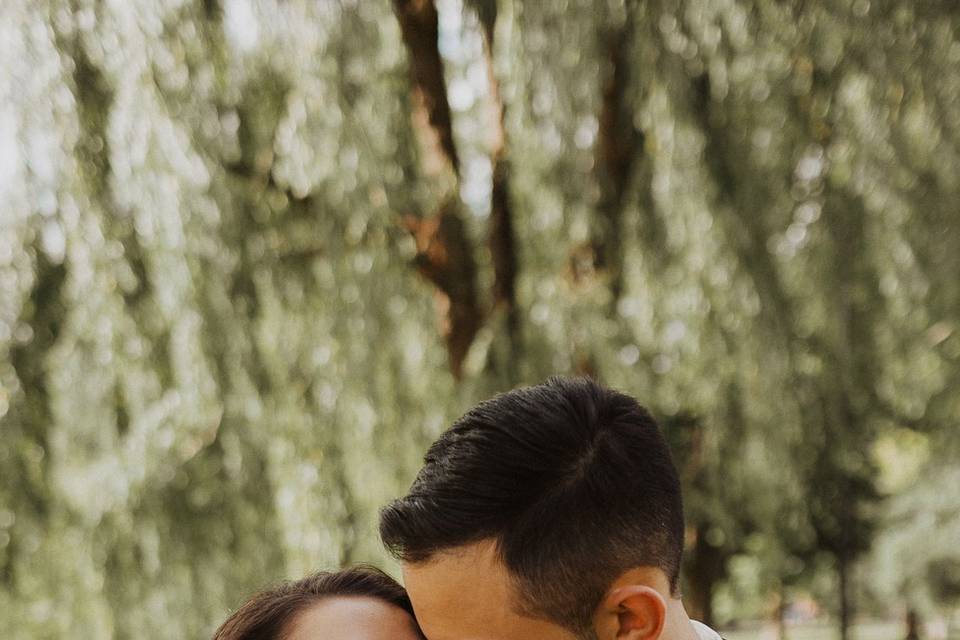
<point x="469" y="582"/>
<point x="467" y="593"/>
<point x="471" y="569"/>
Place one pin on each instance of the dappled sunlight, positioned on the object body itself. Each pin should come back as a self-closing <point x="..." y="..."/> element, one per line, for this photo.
<point x="256" y="254"/>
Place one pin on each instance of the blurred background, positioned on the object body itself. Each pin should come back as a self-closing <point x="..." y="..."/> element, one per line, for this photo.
<point x="256" y="255"/>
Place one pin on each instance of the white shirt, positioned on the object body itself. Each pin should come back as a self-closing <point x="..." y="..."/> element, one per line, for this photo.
<point x="704" y="632"/>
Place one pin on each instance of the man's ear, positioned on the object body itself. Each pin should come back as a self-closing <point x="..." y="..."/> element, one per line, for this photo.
<point x="632" y="612"/>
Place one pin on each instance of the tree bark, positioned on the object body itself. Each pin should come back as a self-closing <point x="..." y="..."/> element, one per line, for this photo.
<point x="444" y="252"/>
<point x="781" y="612"/>
<point x="913" y="625"/>
<point x="431" y="110"/>
<point x="501" y="239"/>
<point x="846" y="612"/>
<point x="502" y="242"/>
<point x="445" y="258"/>
<point x="705" y="567"/>
<point x="617" y="146"/>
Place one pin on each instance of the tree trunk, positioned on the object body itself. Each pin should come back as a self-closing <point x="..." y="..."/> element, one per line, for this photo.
<point x="843" y="574"/>
<point x="913" y="625"/>
<point x="420" y="30"/>
<point x="502" y="241"/>
<point x="705" y="567"/>
<point x="444" y="252"/>
<point x="617" y="147"/>
<point x="781" y="613"/>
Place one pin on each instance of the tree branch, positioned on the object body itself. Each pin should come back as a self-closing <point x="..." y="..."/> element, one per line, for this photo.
<point x="501" y="240"/>
<point x="444" y="257"/>
<point x="617" y="147"/>
<point x="444" y="253"/>
<point x="431" y="112"/>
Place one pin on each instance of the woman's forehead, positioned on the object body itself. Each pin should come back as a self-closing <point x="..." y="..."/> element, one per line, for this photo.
<point x="352" y="618"/>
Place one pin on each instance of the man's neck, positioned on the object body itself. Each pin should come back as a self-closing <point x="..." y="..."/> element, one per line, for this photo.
<point x="677" y="625"/>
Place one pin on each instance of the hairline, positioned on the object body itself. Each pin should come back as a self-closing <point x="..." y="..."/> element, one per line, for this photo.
<point x="522" y="603"/>
<point x="601" y="409"/>
<point x="309" y="601"/>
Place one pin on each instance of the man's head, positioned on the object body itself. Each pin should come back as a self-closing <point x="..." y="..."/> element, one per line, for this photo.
<point x="551" y="511"/>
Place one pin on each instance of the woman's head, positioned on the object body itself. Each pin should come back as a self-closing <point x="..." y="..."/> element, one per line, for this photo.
<point x="361" y="603"/>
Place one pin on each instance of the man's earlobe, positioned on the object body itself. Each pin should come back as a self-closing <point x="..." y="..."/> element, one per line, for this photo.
<point x="640" y="613"/>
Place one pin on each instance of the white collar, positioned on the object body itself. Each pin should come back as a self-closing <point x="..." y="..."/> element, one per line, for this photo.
<point x="704" y="632"/>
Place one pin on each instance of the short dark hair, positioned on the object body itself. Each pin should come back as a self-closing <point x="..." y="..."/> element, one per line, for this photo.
<point x="572" y="480"/>
<point x="267" y="615"/>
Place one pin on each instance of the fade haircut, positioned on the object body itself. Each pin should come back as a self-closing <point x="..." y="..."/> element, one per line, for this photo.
<point x="573" y="481"/>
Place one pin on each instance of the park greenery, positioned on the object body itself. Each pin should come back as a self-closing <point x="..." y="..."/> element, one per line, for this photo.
<point x="256" y="254"/>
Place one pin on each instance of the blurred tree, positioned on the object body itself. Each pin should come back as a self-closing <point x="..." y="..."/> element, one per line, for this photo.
<point x="256" y="254"/>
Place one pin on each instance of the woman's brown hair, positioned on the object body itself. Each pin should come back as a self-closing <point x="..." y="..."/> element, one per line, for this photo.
<point x="266" y="615"/>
